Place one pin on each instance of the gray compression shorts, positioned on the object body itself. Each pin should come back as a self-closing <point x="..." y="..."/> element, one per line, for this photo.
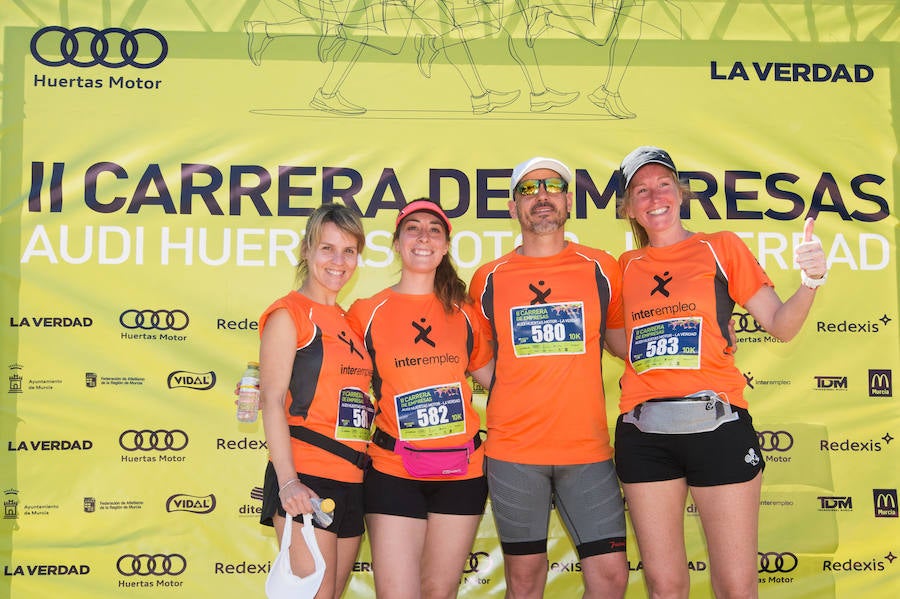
<point x="586" y="496"/>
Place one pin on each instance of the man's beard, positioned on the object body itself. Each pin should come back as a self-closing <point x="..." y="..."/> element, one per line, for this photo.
<point x="544" y="225"/>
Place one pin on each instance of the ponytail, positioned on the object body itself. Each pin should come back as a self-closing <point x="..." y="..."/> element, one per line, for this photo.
<point x="448" y="287"/>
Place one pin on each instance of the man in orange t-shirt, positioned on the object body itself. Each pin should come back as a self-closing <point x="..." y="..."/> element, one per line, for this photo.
<point x="551" y="304"/>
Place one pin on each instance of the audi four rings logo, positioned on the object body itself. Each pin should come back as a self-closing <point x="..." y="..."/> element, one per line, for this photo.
<point x="144" y="564"/>
<point x="474" y="562"/>
<point x="112" y="47"/>
<point x="746" y="323"/>
<point x="775" y="440"/>
<point x="771" y="562"/>
<point x="147" y="440"/>
<point x="161" y="320"/>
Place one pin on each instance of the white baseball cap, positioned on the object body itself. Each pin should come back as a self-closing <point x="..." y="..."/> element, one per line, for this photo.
<point x="533" y="164"/>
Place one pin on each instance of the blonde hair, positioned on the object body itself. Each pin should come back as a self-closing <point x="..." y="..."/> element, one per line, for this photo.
<point x="339" y="215"/>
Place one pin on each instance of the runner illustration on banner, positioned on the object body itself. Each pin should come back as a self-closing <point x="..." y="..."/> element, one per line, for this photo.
<point x="447" y="29"/>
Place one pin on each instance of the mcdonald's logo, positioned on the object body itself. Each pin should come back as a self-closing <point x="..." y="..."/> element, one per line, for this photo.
<point x="885" y="503"/>
<point x="880" y="383"/>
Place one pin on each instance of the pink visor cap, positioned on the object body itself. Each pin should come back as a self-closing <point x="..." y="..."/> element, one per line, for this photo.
<point x="424" y="206"/>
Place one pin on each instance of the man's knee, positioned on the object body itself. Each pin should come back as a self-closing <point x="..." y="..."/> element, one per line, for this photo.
<point x="525" y="575"/>
<point x="605" y="575"/>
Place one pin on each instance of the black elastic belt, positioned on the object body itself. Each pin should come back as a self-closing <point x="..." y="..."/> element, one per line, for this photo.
<point x="386" y="441"/>
<point x="357" y="458"/>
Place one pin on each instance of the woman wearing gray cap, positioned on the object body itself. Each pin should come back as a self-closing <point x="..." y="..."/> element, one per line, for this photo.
<point x="684" y="424"/>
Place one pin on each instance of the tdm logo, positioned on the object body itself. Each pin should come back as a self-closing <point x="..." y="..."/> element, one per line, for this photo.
<point x="835" y="503"/>
<point x="201" y="381"/>
<point x="831" y="383"/>
<point x="191" y="503"/>
<point x="880" y="383"/>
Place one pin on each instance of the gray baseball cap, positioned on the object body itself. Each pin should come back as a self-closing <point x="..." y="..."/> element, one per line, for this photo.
<point x="645" y="155"/>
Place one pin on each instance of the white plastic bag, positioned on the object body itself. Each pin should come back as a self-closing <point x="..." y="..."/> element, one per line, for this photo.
<point x="281" y="582"/>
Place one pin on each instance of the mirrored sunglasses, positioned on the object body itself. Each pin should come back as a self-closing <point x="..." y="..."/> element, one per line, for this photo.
<point x="530" y="187"/>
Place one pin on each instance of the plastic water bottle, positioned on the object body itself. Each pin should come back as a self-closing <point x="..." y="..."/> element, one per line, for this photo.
<point x="248" y="394"/>
<point x="322" y="510"/>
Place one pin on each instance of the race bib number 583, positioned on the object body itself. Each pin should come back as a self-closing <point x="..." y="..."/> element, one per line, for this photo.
<point x="671" y="343"/>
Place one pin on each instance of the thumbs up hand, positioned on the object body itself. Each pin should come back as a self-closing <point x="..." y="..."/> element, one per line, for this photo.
<point x="810" y="257"/>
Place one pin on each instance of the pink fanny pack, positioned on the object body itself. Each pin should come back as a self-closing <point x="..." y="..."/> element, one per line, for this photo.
<point x="435" y="463"/>
<point x="443" y="462"/>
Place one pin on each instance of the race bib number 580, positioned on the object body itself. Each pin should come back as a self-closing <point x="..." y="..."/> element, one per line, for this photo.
<point x="548" y="329"/>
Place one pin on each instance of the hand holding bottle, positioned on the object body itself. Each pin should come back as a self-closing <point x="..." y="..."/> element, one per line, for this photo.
<point x="292" y="495"/>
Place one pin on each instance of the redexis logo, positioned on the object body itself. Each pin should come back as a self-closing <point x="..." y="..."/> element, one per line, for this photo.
<point x="113" y="47"/>
<point x="855" y="327"/>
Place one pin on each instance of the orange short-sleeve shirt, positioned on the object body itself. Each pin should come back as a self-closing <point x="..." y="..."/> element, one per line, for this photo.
<point x="678" y="302"/>
<point x="329" y="387"/>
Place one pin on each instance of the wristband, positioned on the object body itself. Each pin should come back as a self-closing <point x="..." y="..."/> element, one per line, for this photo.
<point x="808" y="281"/>
<point x="287" y="484"/>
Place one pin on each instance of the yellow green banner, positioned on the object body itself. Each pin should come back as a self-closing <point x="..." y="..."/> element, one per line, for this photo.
<point x="158" y="160"/>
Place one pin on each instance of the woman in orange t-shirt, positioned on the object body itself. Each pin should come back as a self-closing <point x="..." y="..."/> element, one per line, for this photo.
<point x="314" y="383"/>
<point x="425" y="492"/>
<point x="684" y="424"/>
